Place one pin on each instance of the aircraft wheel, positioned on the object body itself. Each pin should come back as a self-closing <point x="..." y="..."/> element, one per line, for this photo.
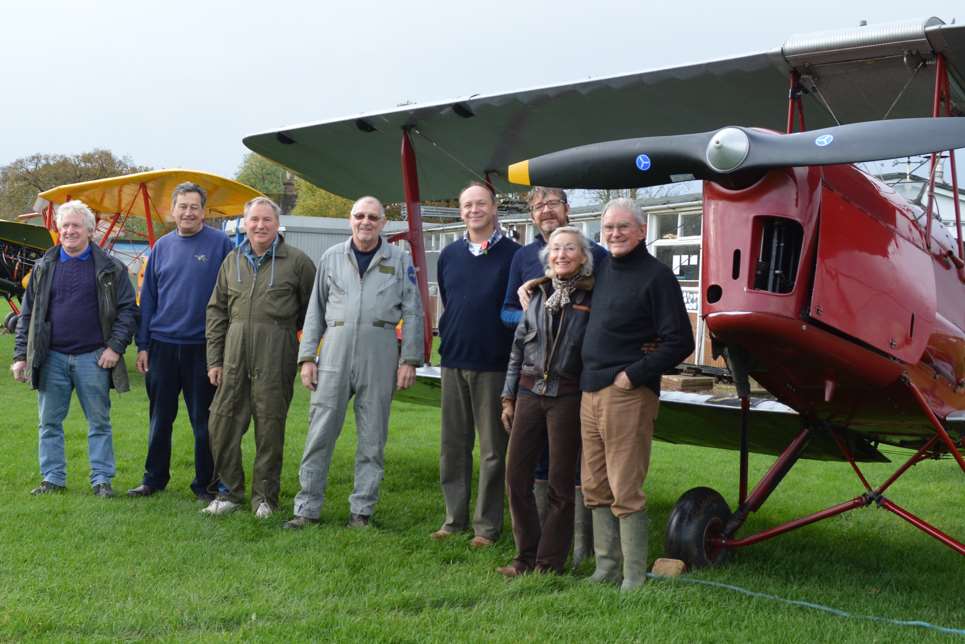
<point x="698" y="516"/>
<point x="10" y="322"/>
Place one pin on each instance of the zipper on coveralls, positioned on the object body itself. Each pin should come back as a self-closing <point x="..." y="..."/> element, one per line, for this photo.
<point x="249" y="340"/>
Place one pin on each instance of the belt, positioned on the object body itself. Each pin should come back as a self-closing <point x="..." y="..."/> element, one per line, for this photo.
<point x="382" y="324"/>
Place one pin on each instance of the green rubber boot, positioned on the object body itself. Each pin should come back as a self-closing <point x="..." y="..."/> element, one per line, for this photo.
<point x="633" y="542"/>
<point x="582" y="531"/>
<point x="606" y="545"/>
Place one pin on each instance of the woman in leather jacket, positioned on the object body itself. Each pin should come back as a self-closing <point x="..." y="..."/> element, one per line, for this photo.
<point x="541" y="399"/>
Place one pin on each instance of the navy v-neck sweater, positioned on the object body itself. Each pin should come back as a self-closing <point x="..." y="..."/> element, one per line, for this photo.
<point x="472" y="289"/>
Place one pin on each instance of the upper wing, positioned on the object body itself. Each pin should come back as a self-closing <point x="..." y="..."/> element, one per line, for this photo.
<point x="226" y="198"/>
<point x="862" y="74"/>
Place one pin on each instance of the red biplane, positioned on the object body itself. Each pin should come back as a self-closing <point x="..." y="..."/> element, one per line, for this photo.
<point x="818" y="281"/>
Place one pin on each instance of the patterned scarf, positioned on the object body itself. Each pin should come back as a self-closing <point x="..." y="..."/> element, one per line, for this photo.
<point x="562" y="290"/>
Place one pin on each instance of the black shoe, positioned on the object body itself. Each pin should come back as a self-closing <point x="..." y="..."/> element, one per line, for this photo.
<point x="103" y="490"/>
<point x="297" y="523"/>
<point x="46" y="487"/>
<point x="358" y="521"/>
<point x="142" y="490"/>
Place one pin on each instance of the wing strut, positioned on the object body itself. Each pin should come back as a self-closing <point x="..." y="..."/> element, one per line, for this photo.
<point x="795" y="104"/>
<point x="942" y="106"/>
<point x="410" y="186"/>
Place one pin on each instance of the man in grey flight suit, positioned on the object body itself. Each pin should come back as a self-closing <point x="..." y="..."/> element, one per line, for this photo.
<point x="362" y="289"/>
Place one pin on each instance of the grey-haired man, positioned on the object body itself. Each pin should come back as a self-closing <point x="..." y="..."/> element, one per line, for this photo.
<point x="363" y="288"/>
<point x="78" y="316"/>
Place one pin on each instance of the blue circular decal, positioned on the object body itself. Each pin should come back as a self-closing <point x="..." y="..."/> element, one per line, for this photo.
<point x="643" y="162"/>
<point x="824" y="140"/>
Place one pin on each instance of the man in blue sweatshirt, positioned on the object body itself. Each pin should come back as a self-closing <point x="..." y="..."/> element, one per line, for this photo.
<point x="474" y="351"/>
<point x="178" y="281"/>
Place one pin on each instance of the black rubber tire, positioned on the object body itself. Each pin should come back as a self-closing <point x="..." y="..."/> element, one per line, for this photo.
<point x="699" y="515"/>
<point x="10" y="322"/>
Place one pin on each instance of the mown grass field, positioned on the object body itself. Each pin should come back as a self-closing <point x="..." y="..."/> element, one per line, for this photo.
<point x="73" y="567"/>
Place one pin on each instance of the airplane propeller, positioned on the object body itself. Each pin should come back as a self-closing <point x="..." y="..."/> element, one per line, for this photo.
<point x="734" y="156"/>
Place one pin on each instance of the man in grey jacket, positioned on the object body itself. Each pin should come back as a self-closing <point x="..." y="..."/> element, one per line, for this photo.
<point x="78" y="316"/>
<point x="362" y="289"/>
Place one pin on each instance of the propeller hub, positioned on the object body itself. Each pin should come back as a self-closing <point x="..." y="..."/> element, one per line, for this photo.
<point x="728" y="149"/>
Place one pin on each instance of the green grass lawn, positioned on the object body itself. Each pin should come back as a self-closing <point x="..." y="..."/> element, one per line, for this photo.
<point x="73" y="567"/>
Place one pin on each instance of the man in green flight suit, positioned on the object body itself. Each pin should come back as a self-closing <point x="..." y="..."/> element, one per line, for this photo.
<point x="254" y="313"/>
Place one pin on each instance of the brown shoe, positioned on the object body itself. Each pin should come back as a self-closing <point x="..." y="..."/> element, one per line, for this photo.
<point x="46" y="487"/>
<point x="297" y="523"/>
<point x="358" y="521"/>
<point x="479" y="542"/>
<point x="441" y="534"/>
<point x="511" y="571"/>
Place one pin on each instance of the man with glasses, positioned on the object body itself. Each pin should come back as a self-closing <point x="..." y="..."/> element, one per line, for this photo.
<point x="549" y="210"/>
<point x="178" y="281"/>
<point x="636" y="301"/>
<point x="362" y="289"/>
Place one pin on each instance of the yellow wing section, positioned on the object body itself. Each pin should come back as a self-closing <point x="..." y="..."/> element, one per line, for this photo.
<point x="126" y="194"/>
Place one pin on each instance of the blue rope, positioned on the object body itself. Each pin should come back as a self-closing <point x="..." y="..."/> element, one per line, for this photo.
<point x="804" y="604"/>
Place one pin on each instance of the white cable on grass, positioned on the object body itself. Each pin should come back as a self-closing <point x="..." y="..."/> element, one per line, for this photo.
<point x="804" y="604"/>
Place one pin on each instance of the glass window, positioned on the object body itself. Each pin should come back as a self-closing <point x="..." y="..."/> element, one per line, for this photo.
<point x="690" y="225"/>
<point x="667" y="226"/>
<point x="684" y="260"/>
<point x="592" y="230"/>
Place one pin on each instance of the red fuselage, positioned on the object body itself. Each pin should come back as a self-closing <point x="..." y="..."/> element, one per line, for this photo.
<point x="825" y="278"/>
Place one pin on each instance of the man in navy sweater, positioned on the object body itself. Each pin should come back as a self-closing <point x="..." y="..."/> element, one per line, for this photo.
<point x="180" y="276"/>
<point x="474" y="349"/>
<point x="78" y="316"/>
<point x="636" y="302"/>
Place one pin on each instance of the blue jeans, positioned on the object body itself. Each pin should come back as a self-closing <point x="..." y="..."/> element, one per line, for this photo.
<point x="60" y="375"/>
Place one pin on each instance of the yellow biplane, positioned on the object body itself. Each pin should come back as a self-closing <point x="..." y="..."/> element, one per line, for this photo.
<point x="115" y="200"/>
<point x="143" y="195"/>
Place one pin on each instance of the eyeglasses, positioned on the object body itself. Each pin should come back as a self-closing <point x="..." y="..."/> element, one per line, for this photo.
<point x="619" y="228"/>
<point x="569" y="248"/>
<point x="361" y="216"/>
<point x="183" y="207"/>
<point x="552" y="204"/>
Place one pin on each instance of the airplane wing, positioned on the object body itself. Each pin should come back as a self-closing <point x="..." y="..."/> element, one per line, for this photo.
<point x="27" y="235"/>
<point x="226" y="198"/>
<point x="861" y="74"/>
<point x="21" y="245"/>
<point x="707" y="421"/>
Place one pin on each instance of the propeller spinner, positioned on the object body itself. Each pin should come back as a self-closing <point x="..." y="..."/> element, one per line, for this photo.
<point x="734" y="156"/>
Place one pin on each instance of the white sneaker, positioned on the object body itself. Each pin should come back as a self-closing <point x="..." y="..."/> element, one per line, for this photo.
<point x="264" y="511"/>
<point x="220" y="506"/>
